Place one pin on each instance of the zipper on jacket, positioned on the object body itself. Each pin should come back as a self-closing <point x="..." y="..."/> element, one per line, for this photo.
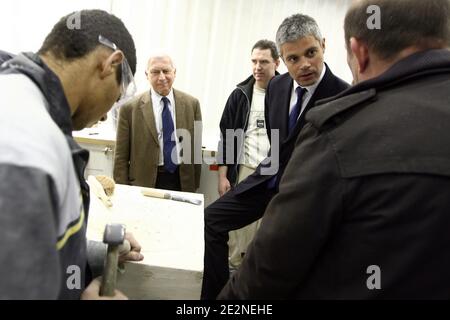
<point x="238" y="158"/>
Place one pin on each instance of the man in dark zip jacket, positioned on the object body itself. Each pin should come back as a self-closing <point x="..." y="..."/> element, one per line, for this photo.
<point x="236" y="114"/>
<point x="244" y="142"/>
<point x="71" y="83"/>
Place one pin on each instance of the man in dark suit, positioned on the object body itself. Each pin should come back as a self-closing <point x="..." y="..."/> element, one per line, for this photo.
<point x="302" y="47"/>
<point x="363" y="207"/>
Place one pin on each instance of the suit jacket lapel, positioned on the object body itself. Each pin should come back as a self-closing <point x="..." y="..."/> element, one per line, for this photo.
<point x="179" y="110"/>
<point x="149" y="117"/>
<point x="285" y="92"/>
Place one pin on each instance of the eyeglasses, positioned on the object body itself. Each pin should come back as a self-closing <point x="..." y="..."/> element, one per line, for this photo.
<point x="127" y="83"/>
<point x="156" y="73"/>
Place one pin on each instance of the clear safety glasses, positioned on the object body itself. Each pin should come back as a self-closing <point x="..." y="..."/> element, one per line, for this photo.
<point x="127" y="85"/>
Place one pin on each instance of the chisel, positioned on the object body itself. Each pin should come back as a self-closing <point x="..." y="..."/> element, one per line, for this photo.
<point x="149" y="192"/>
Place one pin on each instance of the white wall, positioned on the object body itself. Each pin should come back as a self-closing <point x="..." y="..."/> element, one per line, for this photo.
<point x="210" y="40"/>
<point x="24" y="24"/>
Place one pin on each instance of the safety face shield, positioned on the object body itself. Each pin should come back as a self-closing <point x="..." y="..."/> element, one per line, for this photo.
<point x="127" y="83"/>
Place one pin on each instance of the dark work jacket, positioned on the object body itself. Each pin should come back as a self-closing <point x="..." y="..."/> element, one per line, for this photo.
<point x="235" y="116"/>
<point x="277" y="101"/>
<point x="73" y="253"/>
<point x="363" y="207"/>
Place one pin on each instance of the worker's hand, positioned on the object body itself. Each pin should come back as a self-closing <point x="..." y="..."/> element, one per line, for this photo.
<point x="135" y="252"/>
<point x="224" y="185"/>
<point x="92" y="292"/>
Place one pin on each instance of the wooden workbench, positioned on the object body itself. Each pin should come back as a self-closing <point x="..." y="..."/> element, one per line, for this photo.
<point x="172" y="239"/>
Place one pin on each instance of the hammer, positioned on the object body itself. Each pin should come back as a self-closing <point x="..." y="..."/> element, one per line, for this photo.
<point x="114" y="237"/>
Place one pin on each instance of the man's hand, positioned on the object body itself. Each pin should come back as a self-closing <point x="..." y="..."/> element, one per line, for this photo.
<point x="92" y="292"/>
<point x="224" y="185"/>
<point x="135" y="252"/>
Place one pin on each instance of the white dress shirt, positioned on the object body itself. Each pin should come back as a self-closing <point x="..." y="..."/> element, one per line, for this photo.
<point x="307" y="95"/>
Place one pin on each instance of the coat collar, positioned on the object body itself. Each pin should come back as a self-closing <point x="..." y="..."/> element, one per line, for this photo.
<point x="48" y="82"/>
<point x="415" y="66"/>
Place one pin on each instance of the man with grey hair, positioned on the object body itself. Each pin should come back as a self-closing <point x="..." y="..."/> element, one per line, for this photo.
<point x="149" y="145"/>
<point x="288" y="98"/>
<point x="364" y="204"/>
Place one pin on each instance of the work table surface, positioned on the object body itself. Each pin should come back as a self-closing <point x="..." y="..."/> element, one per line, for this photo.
<point x="172" y="239"/>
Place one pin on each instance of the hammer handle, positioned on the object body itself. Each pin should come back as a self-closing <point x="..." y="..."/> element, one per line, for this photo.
<point x="110" y="273"/>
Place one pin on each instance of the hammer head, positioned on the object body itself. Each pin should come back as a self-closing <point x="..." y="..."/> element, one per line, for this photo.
<point x="114" y="234"/>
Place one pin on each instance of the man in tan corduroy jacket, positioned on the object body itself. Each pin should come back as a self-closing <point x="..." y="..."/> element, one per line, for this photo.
<point x="141" y="144"/>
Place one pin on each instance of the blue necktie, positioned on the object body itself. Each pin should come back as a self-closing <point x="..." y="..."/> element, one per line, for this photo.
<point x="169" y="144"/>
<point x="293" y="117"/>
<point x="295" y="112"/>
